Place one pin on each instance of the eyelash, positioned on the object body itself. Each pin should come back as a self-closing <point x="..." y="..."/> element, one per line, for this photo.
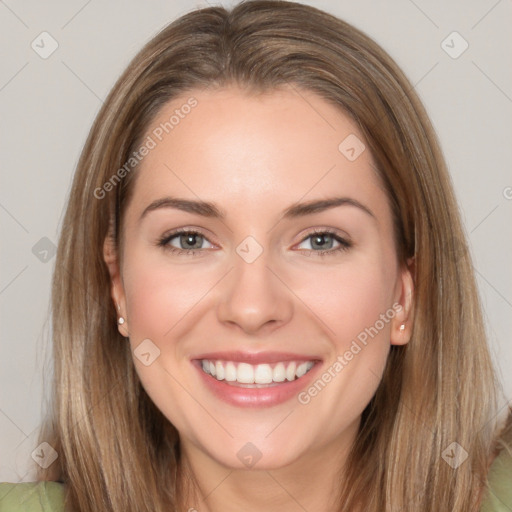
<point x="344" y="244"/>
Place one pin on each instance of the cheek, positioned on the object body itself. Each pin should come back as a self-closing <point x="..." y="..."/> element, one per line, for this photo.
<point x="360" y="314"/>
<point x="158" y="296"/>
<point x="348" y="299"/>
<point x="355" y="305"/>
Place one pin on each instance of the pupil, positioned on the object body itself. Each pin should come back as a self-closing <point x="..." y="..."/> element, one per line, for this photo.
<point x="319" y="240"/>
<point x="190" y="239"/>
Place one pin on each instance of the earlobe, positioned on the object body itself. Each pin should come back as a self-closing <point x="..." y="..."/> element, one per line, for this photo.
<point x="402" y="323"/>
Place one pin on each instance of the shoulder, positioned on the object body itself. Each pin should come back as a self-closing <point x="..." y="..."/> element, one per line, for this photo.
<point x="32" y="497"/>
<point x="498" y="495"/>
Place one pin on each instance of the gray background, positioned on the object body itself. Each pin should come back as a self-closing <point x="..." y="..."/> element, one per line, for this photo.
<point x="48" y="105"/>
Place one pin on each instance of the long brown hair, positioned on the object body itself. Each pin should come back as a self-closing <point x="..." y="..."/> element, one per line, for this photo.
<point x="117" y="452"/>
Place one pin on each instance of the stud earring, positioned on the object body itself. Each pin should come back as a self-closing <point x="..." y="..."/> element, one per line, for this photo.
<point x="402" y="328"/>
<point x="121" y="319"/>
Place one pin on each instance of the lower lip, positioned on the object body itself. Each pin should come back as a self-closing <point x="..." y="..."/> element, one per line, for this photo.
<point x="256" y="397"/>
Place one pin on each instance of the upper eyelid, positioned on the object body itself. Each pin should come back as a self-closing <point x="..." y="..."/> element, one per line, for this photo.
<point x="181" y="231"/>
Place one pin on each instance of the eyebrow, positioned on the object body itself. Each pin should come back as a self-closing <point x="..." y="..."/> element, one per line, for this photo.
<point x="207" y="209"/>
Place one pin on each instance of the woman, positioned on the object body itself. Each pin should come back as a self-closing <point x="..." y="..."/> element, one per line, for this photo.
<point x="262" y="299"/>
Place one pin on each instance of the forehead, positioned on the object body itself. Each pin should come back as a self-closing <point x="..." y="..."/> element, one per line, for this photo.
<point x="243" y="150"/>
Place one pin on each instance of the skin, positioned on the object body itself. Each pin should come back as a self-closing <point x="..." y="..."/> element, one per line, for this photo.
<point x="254" y="156"/>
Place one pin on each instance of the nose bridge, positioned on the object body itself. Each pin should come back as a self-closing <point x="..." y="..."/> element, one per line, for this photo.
<point x="253" y="297"/>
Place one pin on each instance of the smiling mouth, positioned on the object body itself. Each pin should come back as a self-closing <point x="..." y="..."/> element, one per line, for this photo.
<point x="255" y="375"/>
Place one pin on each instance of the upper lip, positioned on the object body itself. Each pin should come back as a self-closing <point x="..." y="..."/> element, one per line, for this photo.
<point x="255" y="357"/>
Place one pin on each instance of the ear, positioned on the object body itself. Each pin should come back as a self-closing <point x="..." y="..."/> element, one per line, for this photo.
<point x="404" y="306"/>
<point x="117" y="288"/>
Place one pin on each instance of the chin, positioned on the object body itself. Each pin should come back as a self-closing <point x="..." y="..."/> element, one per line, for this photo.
<point x="256" y="455"/>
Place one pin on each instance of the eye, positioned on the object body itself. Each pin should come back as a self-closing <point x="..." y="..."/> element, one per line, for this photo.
<point x="184" y="242"/>
<point x="189" y="242"/>
<point x="321" y="243"/>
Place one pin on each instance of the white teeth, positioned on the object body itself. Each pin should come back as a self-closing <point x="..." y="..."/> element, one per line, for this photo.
<point x="263" y="374"/>
<point x="290" y="371"/>
<point x="219" y="371"/>
<point x="230" y="371"/>
<point x="301" y="369"/>
<point x="279" y="374"/>
<point x="245" y="373"/>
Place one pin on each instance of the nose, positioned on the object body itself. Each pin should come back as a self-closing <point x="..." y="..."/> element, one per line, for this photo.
<point x="254" y="297"/>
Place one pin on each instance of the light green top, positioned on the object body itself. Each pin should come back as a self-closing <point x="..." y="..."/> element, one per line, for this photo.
<point x="499" y="492"/>
<point x="32" y="497"/>
<point x="49" y="496"/>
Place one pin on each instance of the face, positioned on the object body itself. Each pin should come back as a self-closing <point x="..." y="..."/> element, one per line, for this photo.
<point x="259" y="282"/>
